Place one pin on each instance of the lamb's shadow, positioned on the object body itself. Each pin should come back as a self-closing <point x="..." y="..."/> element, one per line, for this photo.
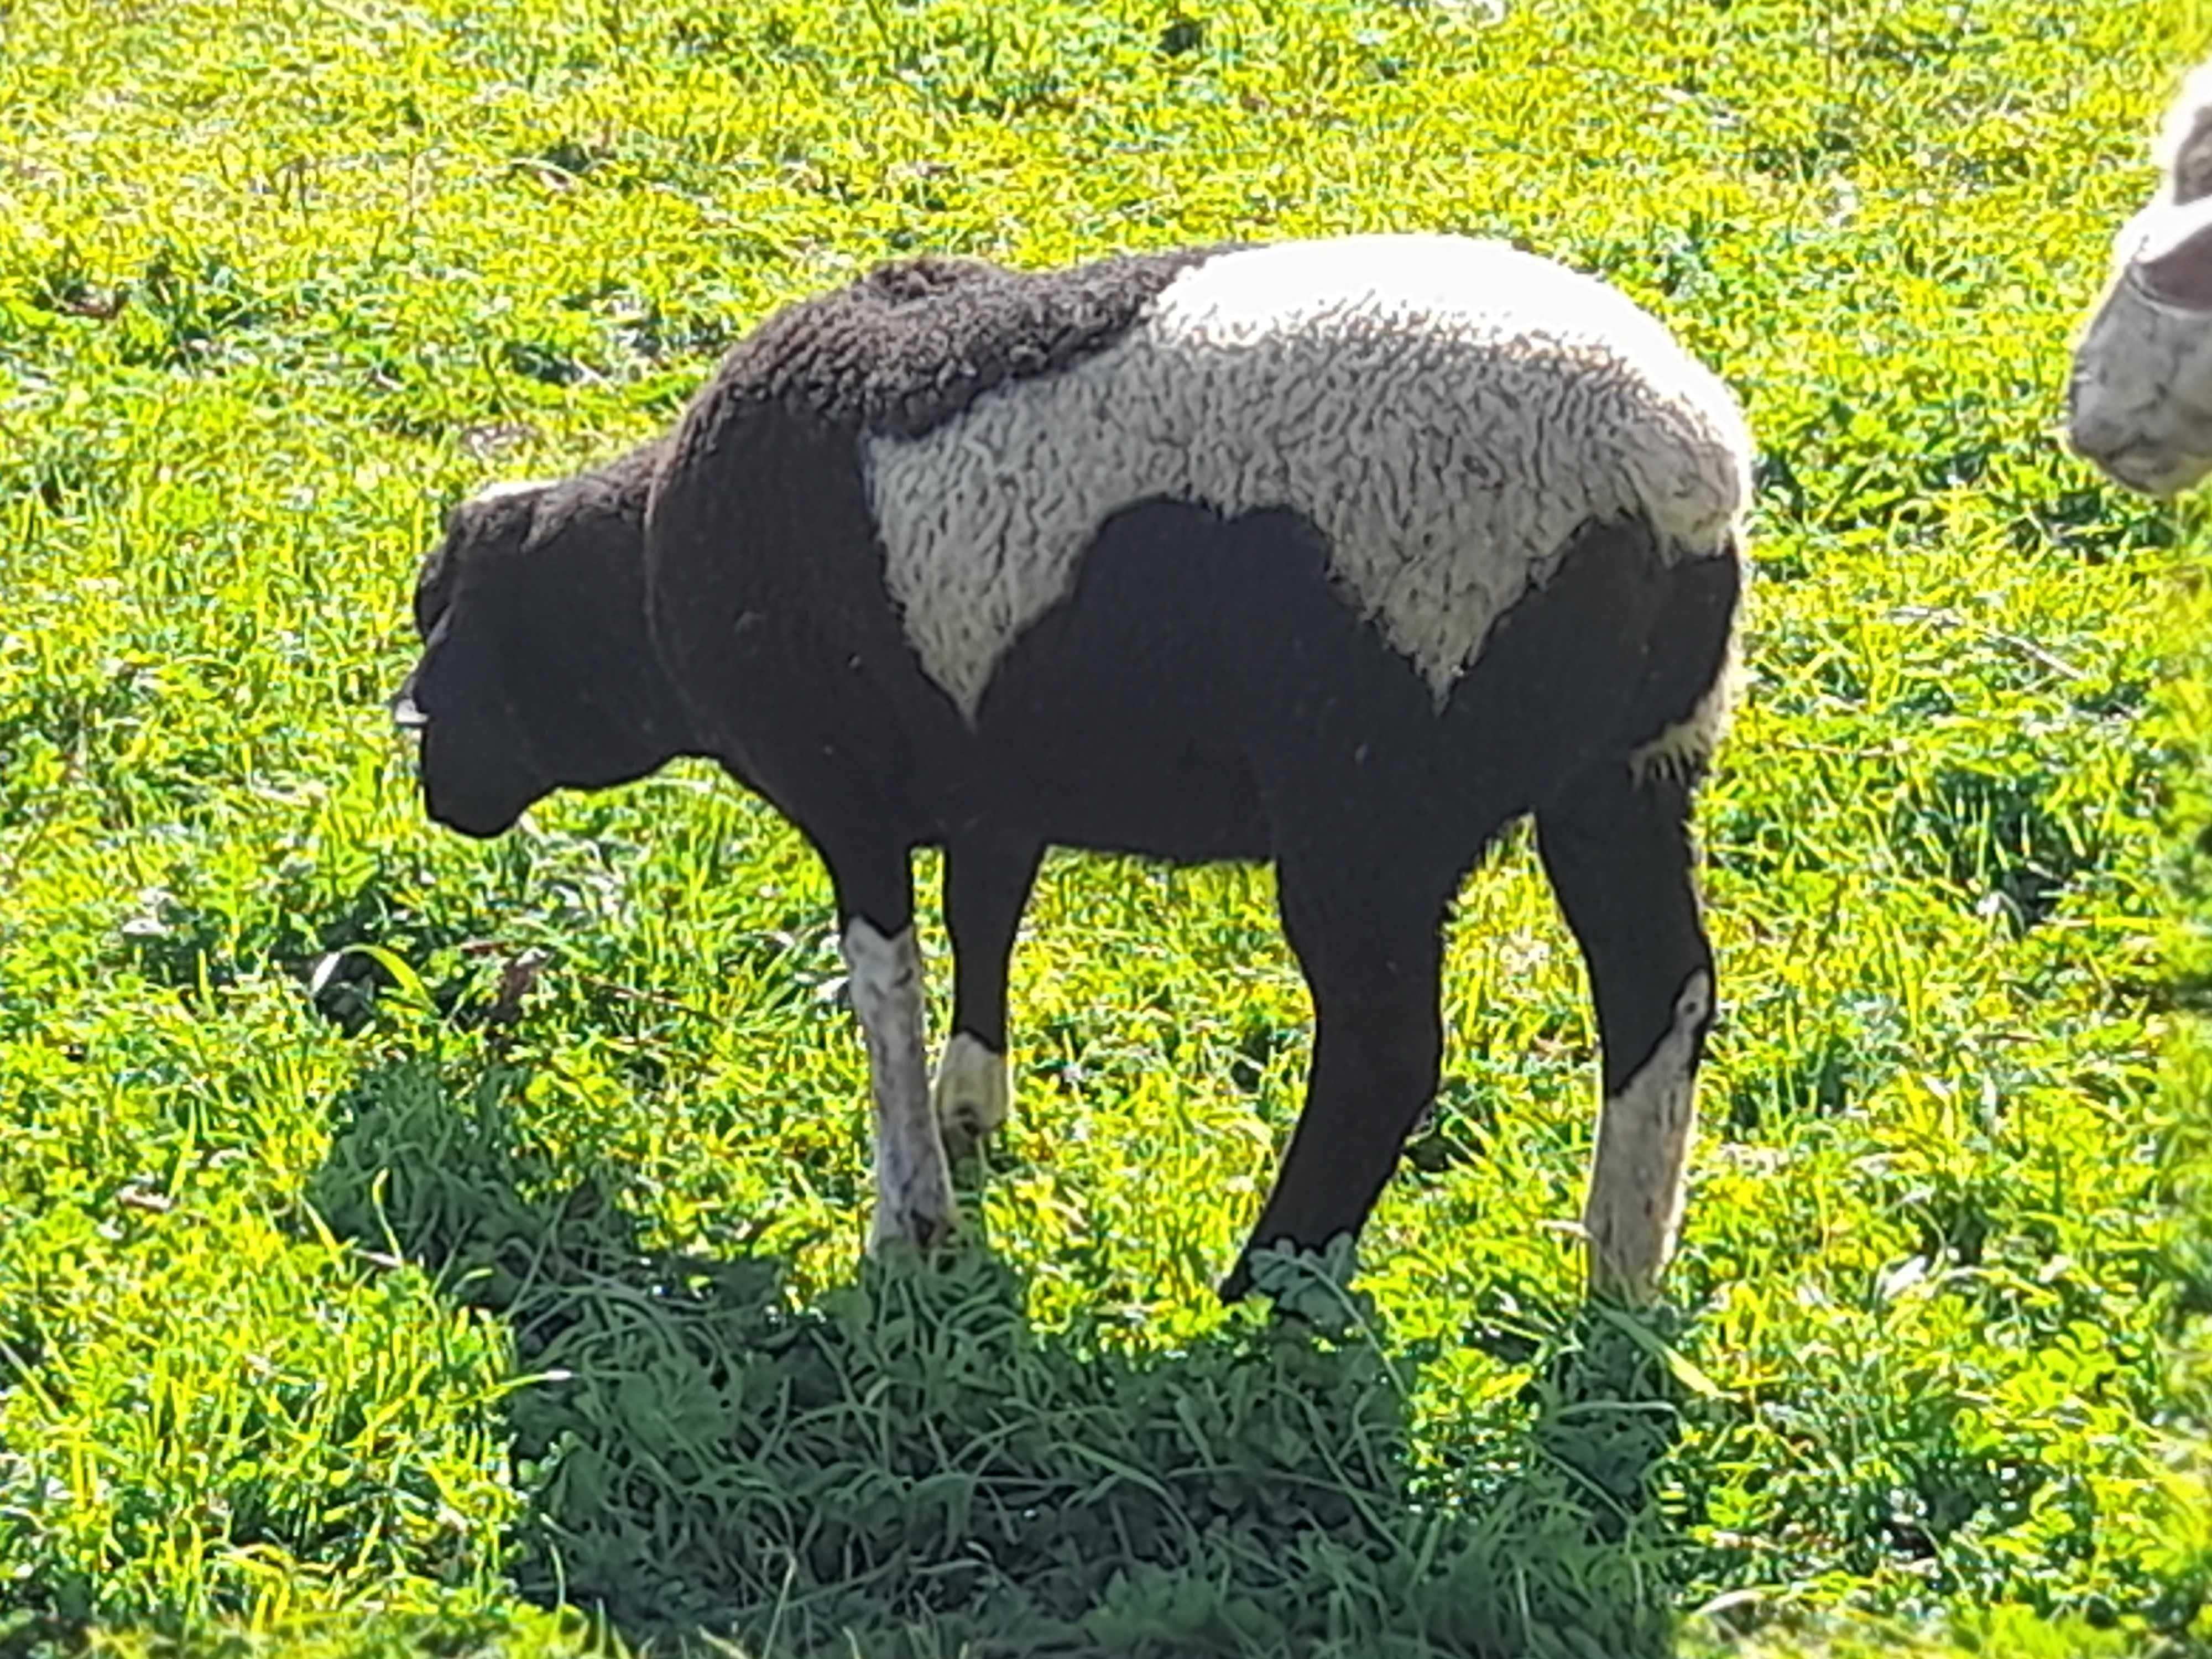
<point x="911" y="1467"/>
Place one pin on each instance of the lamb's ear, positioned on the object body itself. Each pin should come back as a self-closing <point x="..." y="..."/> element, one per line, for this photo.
<point x="2185" y="147"/>
<point x="499" y="512"/>
<point x="2174" y="264"/>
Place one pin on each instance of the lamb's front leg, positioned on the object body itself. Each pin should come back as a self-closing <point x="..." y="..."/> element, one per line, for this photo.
<point x="987" y="885"/>
<point x="914" y="1187"/>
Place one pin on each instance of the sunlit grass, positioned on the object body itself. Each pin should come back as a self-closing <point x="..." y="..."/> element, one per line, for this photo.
<point x="332" y="1310"/>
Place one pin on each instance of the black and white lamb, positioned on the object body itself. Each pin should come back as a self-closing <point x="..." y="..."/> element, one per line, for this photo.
<point x="1340" y="554"/>
<point x="2140" y="402"/>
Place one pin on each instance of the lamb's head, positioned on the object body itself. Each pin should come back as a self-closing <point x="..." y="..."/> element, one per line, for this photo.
<point x="2140" y="403"/>
<point x="536" y="671"/>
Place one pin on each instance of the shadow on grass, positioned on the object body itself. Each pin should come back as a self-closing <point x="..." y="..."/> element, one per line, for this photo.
<point x="909" y="1467"/>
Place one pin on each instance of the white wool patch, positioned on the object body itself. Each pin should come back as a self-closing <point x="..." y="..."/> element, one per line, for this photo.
<point x="971" y="1095"/>
<point x="1446" y="411"/>
<point x="913" y="1186"/>
<point x="1637" y="1169"/>
<point x="2140" y="401"/>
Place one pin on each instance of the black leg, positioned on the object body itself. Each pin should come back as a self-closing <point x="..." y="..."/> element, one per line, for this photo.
<point x="1367" y="929"/>
<point x="1618" y="852"/>
<point x="987" y="885"/>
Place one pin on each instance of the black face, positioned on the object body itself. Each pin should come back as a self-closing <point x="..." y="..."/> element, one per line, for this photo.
<point x="478" y="770"/>
<point x="537" y="673"/>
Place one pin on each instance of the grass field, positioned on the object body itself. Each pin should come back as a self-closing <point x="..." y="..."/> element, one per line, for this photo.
<point x="348" y="1305"/>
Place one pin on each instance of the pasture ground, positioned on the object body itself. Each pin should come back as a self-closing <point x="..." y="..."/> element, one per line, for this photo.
<point x="356" y="1297"/>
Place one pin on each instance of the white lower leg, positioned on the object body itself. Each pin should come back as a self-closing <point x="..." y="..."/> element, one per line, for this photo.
<point x="914" y="1188"/>
<point x="971" y="1089"/>
<point x="1634" y="1209"/>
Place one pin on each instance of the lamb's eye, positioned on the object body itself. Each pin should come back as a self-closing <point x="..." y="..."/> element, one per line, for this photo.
<point x="429" y="606"/>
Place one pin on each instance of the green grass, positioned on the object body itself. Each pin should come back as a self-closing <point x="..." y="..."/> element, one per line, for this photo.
<point x="338" y="1318"/>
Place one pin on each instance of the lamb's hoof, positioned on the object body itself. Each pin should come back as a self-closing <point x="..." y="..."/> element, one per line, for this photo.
<point x="969" y="1095"/>
<point x="1632" y="1285"/>
<point x="924" y="1226"/>
<point x="1238" y="1285"/>
<point x="915" y="1205"/>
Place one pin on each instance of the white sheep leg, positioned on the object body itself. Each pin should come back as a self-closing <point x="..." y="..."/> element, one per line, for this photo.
<point x="913" y="1186"/>
<point x="1634" y="1209"/>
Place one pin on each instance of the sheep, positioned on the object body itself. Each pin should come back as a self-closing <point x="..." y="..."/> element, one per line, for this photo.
<point x="1340" y="555"/>
<point x="2139" y="403"/>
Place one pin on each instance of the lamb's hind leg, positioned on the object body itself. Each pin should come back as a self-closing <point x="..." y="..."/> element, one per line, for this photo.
<point x="1618" y="852"/>
<point x="987" y="885"/>
<point x="1366" y="922"/>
